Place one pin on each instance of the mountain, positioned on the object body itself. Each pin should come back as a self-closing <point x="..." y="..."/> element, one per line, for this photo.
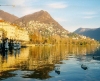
<point x="41" y="17"/>
<point x="80" y="30"/>
<point x="92" y="33"/>
<point x="42" y="28"/>
<point x="7" y="17"/>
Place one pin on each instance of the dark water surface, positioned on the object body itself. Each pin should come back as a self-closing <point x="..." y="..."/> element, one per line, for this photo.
<point x="51" y="63"/>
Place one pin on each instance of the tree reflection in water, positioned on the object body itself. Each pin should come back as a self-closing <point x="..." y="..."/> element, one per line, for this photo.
<point x="41" y="60"/>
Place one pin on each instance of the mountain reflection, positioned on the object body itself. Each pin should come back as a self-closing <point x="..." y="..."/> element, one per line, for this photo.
<point x="41" y="72"/>
<point x="40" y="60"/>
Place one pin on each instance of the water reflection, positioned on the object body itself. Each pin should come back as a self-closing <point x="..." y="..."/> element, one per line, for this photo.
<point x="57" y="70"/>
<point x="6" y="74"/>
<point x="40" y="61"/>
<point x="40" y="73"/>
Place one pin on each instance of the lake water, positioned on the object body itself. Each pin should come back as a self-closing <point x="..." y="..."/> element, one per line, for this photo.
<point x="51" y="63"/>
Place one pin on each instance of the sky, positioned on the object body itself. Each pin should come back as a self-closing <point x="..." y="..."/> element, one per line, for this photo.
<point x="70" y="14"/>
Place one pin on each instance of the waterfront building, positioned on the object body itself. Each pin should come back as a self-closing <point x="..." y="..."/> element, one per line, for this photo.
<point x="13" y="31"/>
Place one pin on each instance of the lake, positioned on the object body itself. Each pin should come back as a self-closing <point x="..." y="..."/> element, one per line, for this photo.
<point x="51" y="63"/>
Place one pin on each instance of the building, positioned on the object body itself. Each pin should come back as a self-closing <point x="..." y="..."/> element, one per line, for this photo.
<point x="12" y="31"/>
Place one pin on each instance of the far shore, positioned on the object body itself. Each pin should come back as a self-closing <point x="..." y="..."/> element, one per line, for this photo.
<point x="26" y="45"/>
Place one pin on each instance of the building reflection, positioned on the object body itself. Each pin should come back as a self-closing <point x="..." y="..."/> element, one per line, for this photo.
<point x="9" y="62"/>
<point x="41" y="59"/>
<point x="4" y="55"/>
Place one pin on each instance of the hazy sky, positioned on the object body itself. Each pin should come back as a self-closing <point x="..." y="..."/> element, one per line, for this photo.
<point x="71" y="14"/>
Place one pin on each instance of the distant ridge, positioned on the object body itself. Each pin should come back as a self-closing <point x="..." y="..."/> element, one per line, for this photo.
<point x="92" y="33"/>
<point x="7" y="17"/>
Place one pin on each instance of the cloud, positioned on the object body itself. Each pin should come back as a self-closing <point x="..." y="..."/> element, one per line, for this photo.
<point x="88" y="17"/>
<point x="20" y="8"/>
<point x="89" y="13"/>
<point x="57" y="5"/>
<point x="19" y="2"/>
<point x="24" y="10"/>
<point x="29" y="11"/>
<point x="16" y="2"/>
